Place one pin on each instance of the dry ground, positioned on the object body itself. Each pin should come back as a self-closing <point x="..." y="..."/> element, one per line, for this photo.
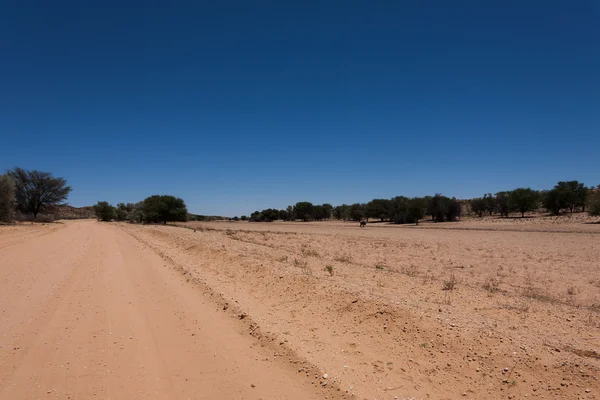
<point x="522" y="318"/>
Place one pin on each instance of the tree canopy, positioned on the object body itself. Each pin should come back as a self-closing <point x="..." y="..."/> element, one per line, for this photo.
<point x="35" y="190"/>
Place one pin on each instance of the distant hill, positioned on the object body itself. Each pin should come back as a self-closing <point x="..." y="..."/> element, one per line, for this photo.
<point x="69" y="212"/>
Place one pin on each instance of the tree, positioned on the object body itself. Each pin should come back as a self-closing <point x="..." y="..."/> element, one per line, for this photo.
<point x="327" y="210"/>
<point x="7" y="198"/>
<point x="290" y="213"/>
<point x="378" y="208"/>
<point x="35" y="190"/>
<point x="104" y="211"/>
<point x="283" y="215"/>
<point x="244" y="217"/>
<point x="318" y="213"/>
<point x="574" y="193"/>
<point x="524" y="200"/>
<point x="554" y="200"/>
<point x="489" y="203"/>
<point x="502" y="203"/>
<point x="478" y="206"/>
<point x="341" y="212"/>
<point x="593" y="203"/>
<point x="164" y="208"/>
<point x="443" y="208"/>
<point x="236" y="218"/>
<point x="304" y="210"/>
<point x="416" y="209"/>
<point x="356" y="212"/>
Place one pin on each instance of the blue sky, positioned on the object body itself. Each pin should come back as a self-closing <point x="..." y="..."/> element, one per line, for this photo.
<point x="236" y="106"/>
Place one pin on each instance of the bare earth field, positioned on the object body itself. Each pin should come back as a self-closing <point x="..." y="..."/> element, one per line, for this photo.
<point x="238" y="310"/>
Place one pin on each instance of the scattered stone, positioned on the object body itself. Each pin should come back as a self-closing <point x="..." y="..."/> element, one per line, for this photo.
<point x="505" y="370"/>
<point x="242" y="315"/>
<point x="325" y="376"/>
<point x="253" y="385"/>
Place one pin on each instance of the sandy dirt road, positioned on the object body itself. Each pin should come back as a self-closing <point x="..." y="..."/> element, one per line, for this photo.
<point x="87" y="311"/>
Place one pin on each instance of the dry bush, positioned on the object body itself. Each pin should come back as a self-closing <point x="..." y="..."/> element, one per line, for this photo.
<point x="329" y="268"/>
<point x="492" y="285"/>
<point x="307" y="252"/>
<point x="303" y="265"/>
<point x="282" y="259"/>
<point x="345" y="258"/>
<point x="411" y="270"/>
<point x="450" y="283"/>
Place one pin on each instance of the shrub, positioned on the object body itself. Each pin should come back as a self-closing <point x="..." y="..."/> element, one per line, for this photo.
<point x="164" y="208"/>
<point x="593" y="204"/>
<point x="104" y="211"/>
<point x="7" y="198"/>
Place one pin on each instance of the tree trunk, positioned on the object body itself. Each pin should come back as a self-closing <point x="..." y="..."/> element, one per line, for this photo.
<point x="522" y="214"/>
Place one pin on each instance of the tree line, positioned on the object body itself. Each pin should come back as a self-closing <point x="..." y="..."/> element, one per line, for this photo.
<point x="565" y="196"/>
<point x="153" y="209"/>
<point x="399" y="209"/>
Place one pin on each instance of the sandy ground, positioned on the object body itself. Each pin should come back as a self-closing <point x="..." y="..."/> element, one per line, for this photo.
<point x="522" y="320"/>
<point x="130" y="311"/>
<point x="87" y="311"/>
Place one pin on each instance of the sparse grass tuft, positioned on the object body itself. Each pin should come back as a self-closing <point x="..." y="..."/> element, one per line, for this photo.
<point x="492" y="285"/>
<point x="282" y="259"/>
<point x="303" y="265"/>
<point x="450" y="284"/>
<point x="329" y="268"/>
<point x="410" y="270"/>
<point x="380" y="267"/>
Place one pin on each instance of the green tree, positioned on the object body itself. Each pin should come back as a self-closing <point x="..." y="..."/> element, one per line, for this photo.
<point x="304" y="210"/>
<point x="290" y="213"/>
<point x="35" y="190"/>
<point x="283" y="215"/>
<point x="356" y="212"/>
<point x="574" y="193"/>
<point x="478" y="206"/>
<point x="443" y="208"/>
<point x="502" y="203"/>
<point x="341" y="212"/>
<point x="318" y="213"/>
<point x="378" y="208"/>
<point x="327" y="210"/>
<point x="244" y="217"/>
<point x="593" y="203"/>
<point x="104" y="211"/>
<point x="554" y="200"/>
<point x="524" y="200"/>
<point x="164" y="208"/>
<point x="7" y="198"/>
<point x="489" y="203"/>
<point x="416" y="209"/>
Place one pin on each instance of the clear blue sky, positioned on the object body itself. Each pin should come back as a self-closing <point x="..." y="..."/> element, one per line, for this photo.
<point x="242" y="105"/>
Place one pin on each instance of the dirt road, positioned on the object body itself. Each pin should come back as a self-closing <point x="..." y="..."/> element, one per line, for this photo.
<point x="87" y="311"/>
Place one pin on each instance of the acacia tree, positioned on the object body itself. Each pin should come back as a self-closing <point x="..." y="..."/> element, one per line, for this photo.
<point x="478" y="206"/>
<point x="502" y="203"/>
<point x="7" y="198"/>
<point x="554" y="200"/>
<point x="304" y="210"/>
<point x="104" y="211"/>
<point x="163" y="209"/>
<point x="594" y="203"/>
<point x="489" y="202"/>
<point x="574" y="194"/>
<point x="35" y="190"/>
<point x="524" y="200"/>
<point x="378" y="208"/>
